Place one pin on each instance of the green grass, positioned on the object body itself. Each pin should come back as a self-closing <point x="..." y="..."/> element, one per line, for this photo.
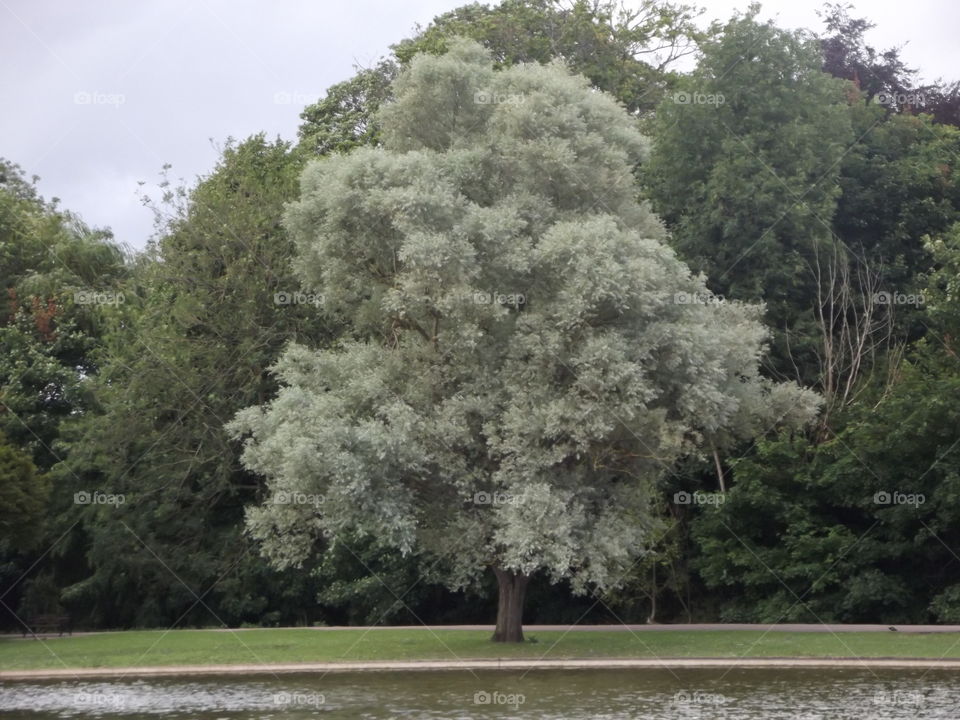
<point x="204" y="647"/>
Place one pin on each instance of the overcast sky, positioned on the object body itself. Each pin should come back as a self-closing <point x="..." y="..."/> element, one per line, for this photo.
<point x="98" y="94"/>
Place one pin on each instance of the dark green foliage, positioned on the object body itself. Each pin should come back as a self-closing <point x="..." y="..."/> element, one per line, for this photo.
<point x="23" y="498"/>
<point x="898" y="185"/>
<point x="806" y="534"/>
<point x="198" y="350"/>
<point x="50" y="264"/>
<point x="744" y="171"/>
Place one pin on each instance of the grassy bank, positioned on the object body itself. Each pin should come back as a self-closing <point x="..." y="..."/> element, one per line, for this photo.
<point x="207" y="647"/>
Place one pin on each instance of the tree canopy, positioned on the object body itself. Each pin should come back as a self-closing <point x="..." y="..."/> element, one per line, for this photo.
<point x="518" y="331"/>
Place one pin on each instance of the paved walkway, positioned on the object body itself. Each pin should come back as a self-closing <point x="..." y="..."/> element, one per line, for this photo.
<point x="339" y="667"/>
<point x="782" y="627"/>
<point x="529" y="629"/>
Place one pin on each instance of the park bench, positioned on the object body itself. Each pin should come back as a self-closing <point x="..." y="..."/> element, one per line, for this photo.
<point x="47" y="624"/>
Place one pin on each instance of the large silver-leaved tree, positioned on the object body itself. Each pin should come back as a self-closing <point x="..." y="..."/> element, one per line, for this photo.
<point x="524" y="354"/>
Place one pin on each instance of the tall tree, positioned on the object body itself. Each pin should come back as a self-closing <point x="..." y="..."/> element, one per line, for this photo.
<point x="744" y="173"/>
<point x="522" y="362"/>
<point x="56" y="276"/>
<point x="898" y="188"/>
<point x="59" y="289"/>
<point x="219" y="301"/>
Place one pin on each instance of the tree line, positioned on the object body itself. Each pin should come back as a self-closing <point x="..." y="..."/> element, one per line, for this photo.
<point x="813" y="471"/>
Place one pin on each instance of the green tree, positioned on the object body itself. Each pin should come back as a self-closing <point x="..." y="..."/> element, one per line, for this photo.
<point x="860" y="527"/>
<point x="54" y="273"/>
<point x="744" y="173"/>
<point x="53" y="269"/>
<point x="23" y="498"/>
<point x="897" y="188"/>
<point x="217" y="303"/>
<point x="522" y="362"/>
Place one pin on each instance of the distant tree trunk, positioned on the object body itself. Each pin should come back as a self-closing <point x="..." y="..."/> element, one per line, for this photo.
<point x="652" y="617"/>
<point x="513" y="590"/>
<point x="719" y="466"/>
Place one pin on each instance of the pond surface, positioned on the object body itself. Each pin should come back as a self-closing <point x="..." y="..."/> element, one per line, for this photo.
<point x="744" y="694"/>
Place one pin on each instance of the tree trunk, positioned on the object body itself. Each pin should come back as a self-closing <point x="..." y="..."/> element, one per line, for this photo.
<point x="719" y="466"/>
<point x="652" y="617"/>
<point x="513" y="589"/>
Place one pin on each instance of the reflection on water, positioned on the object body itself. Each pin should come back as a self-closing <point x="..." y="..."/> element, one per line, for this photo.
<point x="744" y="694"/>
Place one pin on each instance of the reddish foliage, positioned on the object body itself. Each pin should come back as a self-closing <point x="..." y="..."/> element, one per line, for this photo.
<point x="43" y="316"/>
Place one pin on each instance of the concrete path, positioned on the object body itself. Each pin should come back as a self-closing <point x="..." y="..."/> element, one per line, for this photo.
<point x="782" y="627"/>
<point x="487" y="665"/>
<point x="530" y="629"/>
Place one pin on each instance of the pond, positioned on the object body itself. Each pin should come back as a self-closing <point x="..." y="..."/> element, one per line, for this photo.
<point x="745" y="694"/>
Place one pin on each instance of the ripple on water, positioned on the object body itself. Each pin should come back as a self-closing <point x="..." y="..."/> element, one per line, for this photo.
<point x="744" y="694"/>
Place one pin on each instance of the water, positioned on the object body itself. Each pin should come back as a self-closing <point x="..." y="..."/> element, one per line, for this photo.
<point x="744" y="694"/>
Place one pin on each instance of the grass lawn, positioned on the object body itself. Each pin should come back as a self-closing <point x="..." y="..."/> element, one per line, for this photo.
<point x="204" y="647"/>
